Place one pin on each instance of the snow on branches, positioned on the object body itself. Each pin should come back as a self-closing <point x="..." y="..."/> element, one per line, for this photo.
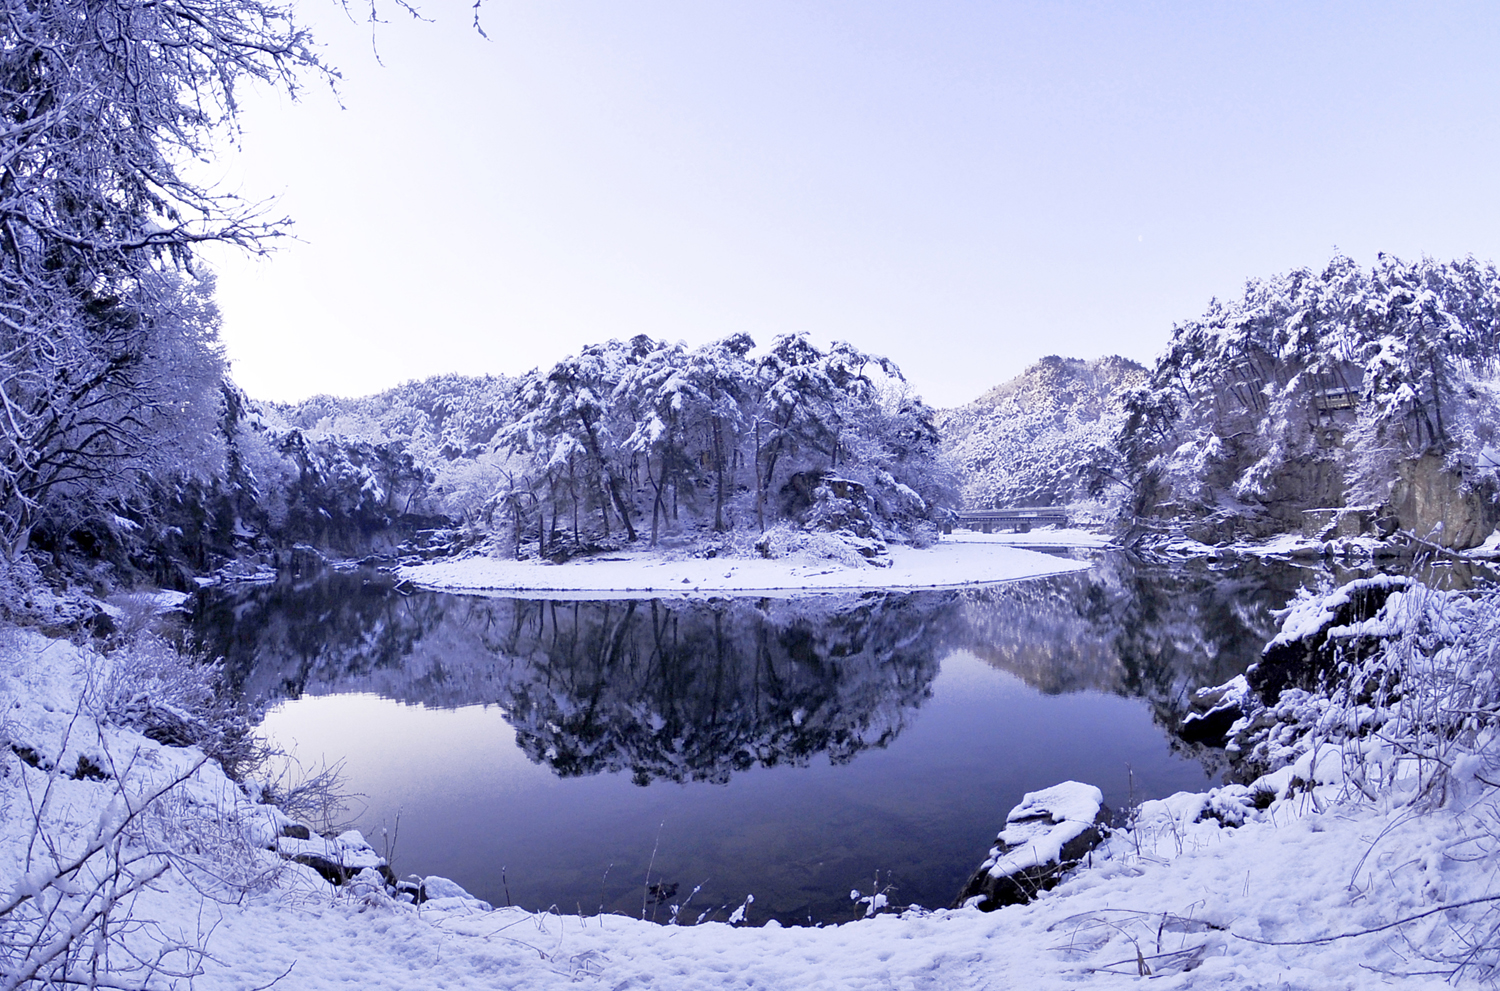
<point x="106" y="336"/>
<point x="714" y="436"/>
<point x="1315" y="388"/>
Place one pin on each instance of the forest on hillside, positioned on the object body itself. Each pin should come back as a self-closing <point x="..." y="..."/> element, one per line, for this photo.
<point x="131" y="454"/>
<point x="625" y="442"/>
<point x="1040" y="438"/>
<point x="1343" y="388"/>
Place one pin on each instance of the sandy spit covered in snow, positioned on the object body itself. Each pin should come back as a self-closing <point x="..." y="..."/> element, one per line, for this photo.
<point x="952" y="563"/>
<point x="1039" y="537"/>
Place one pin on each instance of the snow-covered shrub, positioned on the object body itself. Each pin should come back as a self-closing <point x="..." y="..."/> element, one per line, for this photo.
<point x="1401" y="724"/>
<point x="27" y="598"/>
<point x="314" y="795"/>
<point x="178" y="699"/>
<point x="1413" y="697"/>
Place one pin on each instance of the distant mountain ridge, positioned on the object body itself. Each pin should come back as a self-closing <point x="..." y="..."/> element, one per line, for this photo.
<point x="1030" y="441"/>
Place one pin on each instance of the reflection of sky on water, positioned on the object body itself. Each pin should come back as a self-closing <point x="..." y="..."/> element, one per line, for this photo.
<point x="855" y="733"/>
<point x="922" y="810"/>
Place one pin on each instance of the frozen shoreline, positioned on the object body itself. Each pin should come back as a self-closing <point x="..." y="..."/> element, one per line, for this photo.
<point x="1317" y="887"/>
<point x="956" y="561"/>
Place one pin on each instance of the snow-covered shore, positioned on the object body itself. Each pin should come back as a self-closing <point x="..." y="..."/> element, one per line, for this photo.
<point x="1346" y="869"/>
<point x="957" y="561"/>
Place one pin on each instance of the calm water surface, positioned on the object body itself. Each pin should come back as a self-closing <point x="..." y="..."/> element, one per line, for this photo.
<point x="557" y="752"/>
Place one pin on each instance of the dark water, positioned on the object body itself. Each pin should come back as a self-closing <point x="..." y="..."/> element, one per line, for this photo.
<point x="563" y="753"/>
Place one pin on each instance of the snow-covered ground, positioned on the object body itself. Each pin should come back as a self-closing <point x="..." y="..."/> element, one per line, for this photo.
<point x="1295" y="545"/>
<point x="966" y="559"/>
<point x="1037" y="537"/>
<point x="1324" y="888"/>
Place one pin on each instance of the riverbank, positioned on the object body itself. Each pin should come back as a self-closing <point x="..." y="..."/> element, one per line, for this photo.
<point x="1363" y="858"/>
<point x="954" y="562"/>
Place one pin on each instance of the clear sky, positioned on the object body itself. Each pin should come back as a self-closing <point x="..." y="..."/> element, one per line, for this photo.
<point x="963" y="186"/>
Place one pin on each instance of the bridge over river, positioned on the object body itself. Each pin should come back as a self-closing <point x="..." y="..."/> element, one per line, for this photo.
<point x="1021" y="519"/>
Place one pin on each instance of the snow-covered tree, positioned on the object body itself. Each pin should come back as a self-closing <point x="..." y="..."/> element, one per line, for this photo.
<point x="624" y="429"/>
<point x="1039" y="439"/>
<point x="1313" y="387"/>
<point x="100" y="106"/>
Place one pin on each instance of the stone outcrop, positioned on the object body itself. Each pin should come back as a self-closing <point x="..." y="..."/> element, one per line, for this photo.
<point x="1312" y="647"/>
<point x="1049" y="832"/>
<point x="1435" y="504"/>
<point x="1215" y="711"/>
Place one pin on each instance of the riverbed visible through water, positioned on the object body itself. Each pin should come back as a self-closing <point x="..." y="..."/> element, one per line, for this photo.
<point x="636" y="755"/>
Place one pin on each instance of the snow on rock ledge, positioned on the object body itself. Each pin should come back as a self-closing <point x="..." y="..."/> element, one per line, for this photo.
<point x="337" y="858"/>
<point x="1046" y="834"/>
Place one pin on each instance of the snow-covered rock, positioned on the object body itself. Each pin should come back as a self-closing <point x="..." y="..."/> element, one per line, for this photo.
<point x="1217" y="709"/>
<point x="1050" y="831"/>
<point x="336" y="858"/>
<point x="440" y="892"/>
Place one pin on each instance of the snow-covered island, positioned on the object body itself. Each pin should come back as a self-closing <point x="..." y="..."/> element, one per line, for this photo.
<point x="953" y="562"/>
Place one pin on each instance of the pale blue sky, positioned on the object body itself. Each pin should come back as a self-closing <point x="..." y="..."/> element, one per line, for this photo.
<point x="962" y="186"/>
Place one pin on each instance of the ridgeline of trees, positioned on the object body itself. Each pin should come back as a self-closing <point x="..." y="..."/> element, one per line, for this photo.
<point x="625" y="441"/>
<point x="121" y="439"/>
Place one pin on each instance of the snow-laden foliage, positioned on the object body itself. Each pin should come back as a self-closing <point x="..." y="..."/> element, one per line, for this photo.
<point x="1316" y="386"/>
<point x="1385" y="694"/>
<point x="699" y="441"/>
<point x="1403" y="675"/>
<point x="716" y="438"/>
<point x="441" y="430"/>
<point x="108" y="353"/>
<point x="1038" y="439"/>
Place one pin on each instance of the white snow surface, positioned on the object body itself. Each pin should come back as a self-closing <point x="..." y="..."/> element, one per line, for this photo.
<point x="950" y="563"/>
<point x="1046" y="821"/>
<point x="1038" y="537"/>
<point x="1199" y="904"/>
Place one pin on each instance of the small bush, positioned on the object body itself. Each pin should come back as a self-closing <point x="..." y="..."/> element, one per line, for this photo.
<point x="179" y="700"/>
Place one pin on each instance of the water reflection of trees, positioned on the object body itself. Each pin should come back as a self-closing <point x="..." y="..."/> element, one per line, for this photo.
<point x="1130" y="628"/>
<point x="671" y="689"/>
<point x="690" y="690"/>
<point x="667" y="690"/>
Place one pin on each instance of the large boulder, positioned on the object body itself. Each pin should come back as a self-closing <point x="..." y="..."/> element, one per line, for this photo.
<point x="1049" y="832"/>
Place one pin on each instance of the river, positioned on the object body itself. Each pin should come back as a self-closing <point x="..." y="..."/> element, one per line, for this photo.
<point x="636" y="755"/>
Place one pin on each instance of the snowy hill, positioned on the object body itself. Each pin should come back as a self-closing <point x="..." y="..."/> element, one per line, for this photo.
<point x="1030" y="441"/>
<point x="1329" y="389"/>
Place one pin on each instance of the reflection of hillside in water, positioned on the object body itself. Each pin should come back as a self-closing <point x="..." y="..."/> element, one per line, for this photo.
<point x="695" y="693"/>
<point x="667" y="689"/>
<point x="685" y="690"/>
<point x="1133" y="628"/>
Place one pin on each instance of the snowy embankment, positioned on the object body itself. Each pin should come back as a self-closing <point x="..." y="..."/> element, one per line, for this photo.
<point x="1369" y="854"/>
<point x="952" y="563"/>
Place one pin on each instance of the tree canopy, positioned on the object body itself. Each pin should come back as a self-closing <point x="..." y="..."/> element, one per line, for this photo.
<point x="106" y="333"/>
<point x="1315" y="384"/>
